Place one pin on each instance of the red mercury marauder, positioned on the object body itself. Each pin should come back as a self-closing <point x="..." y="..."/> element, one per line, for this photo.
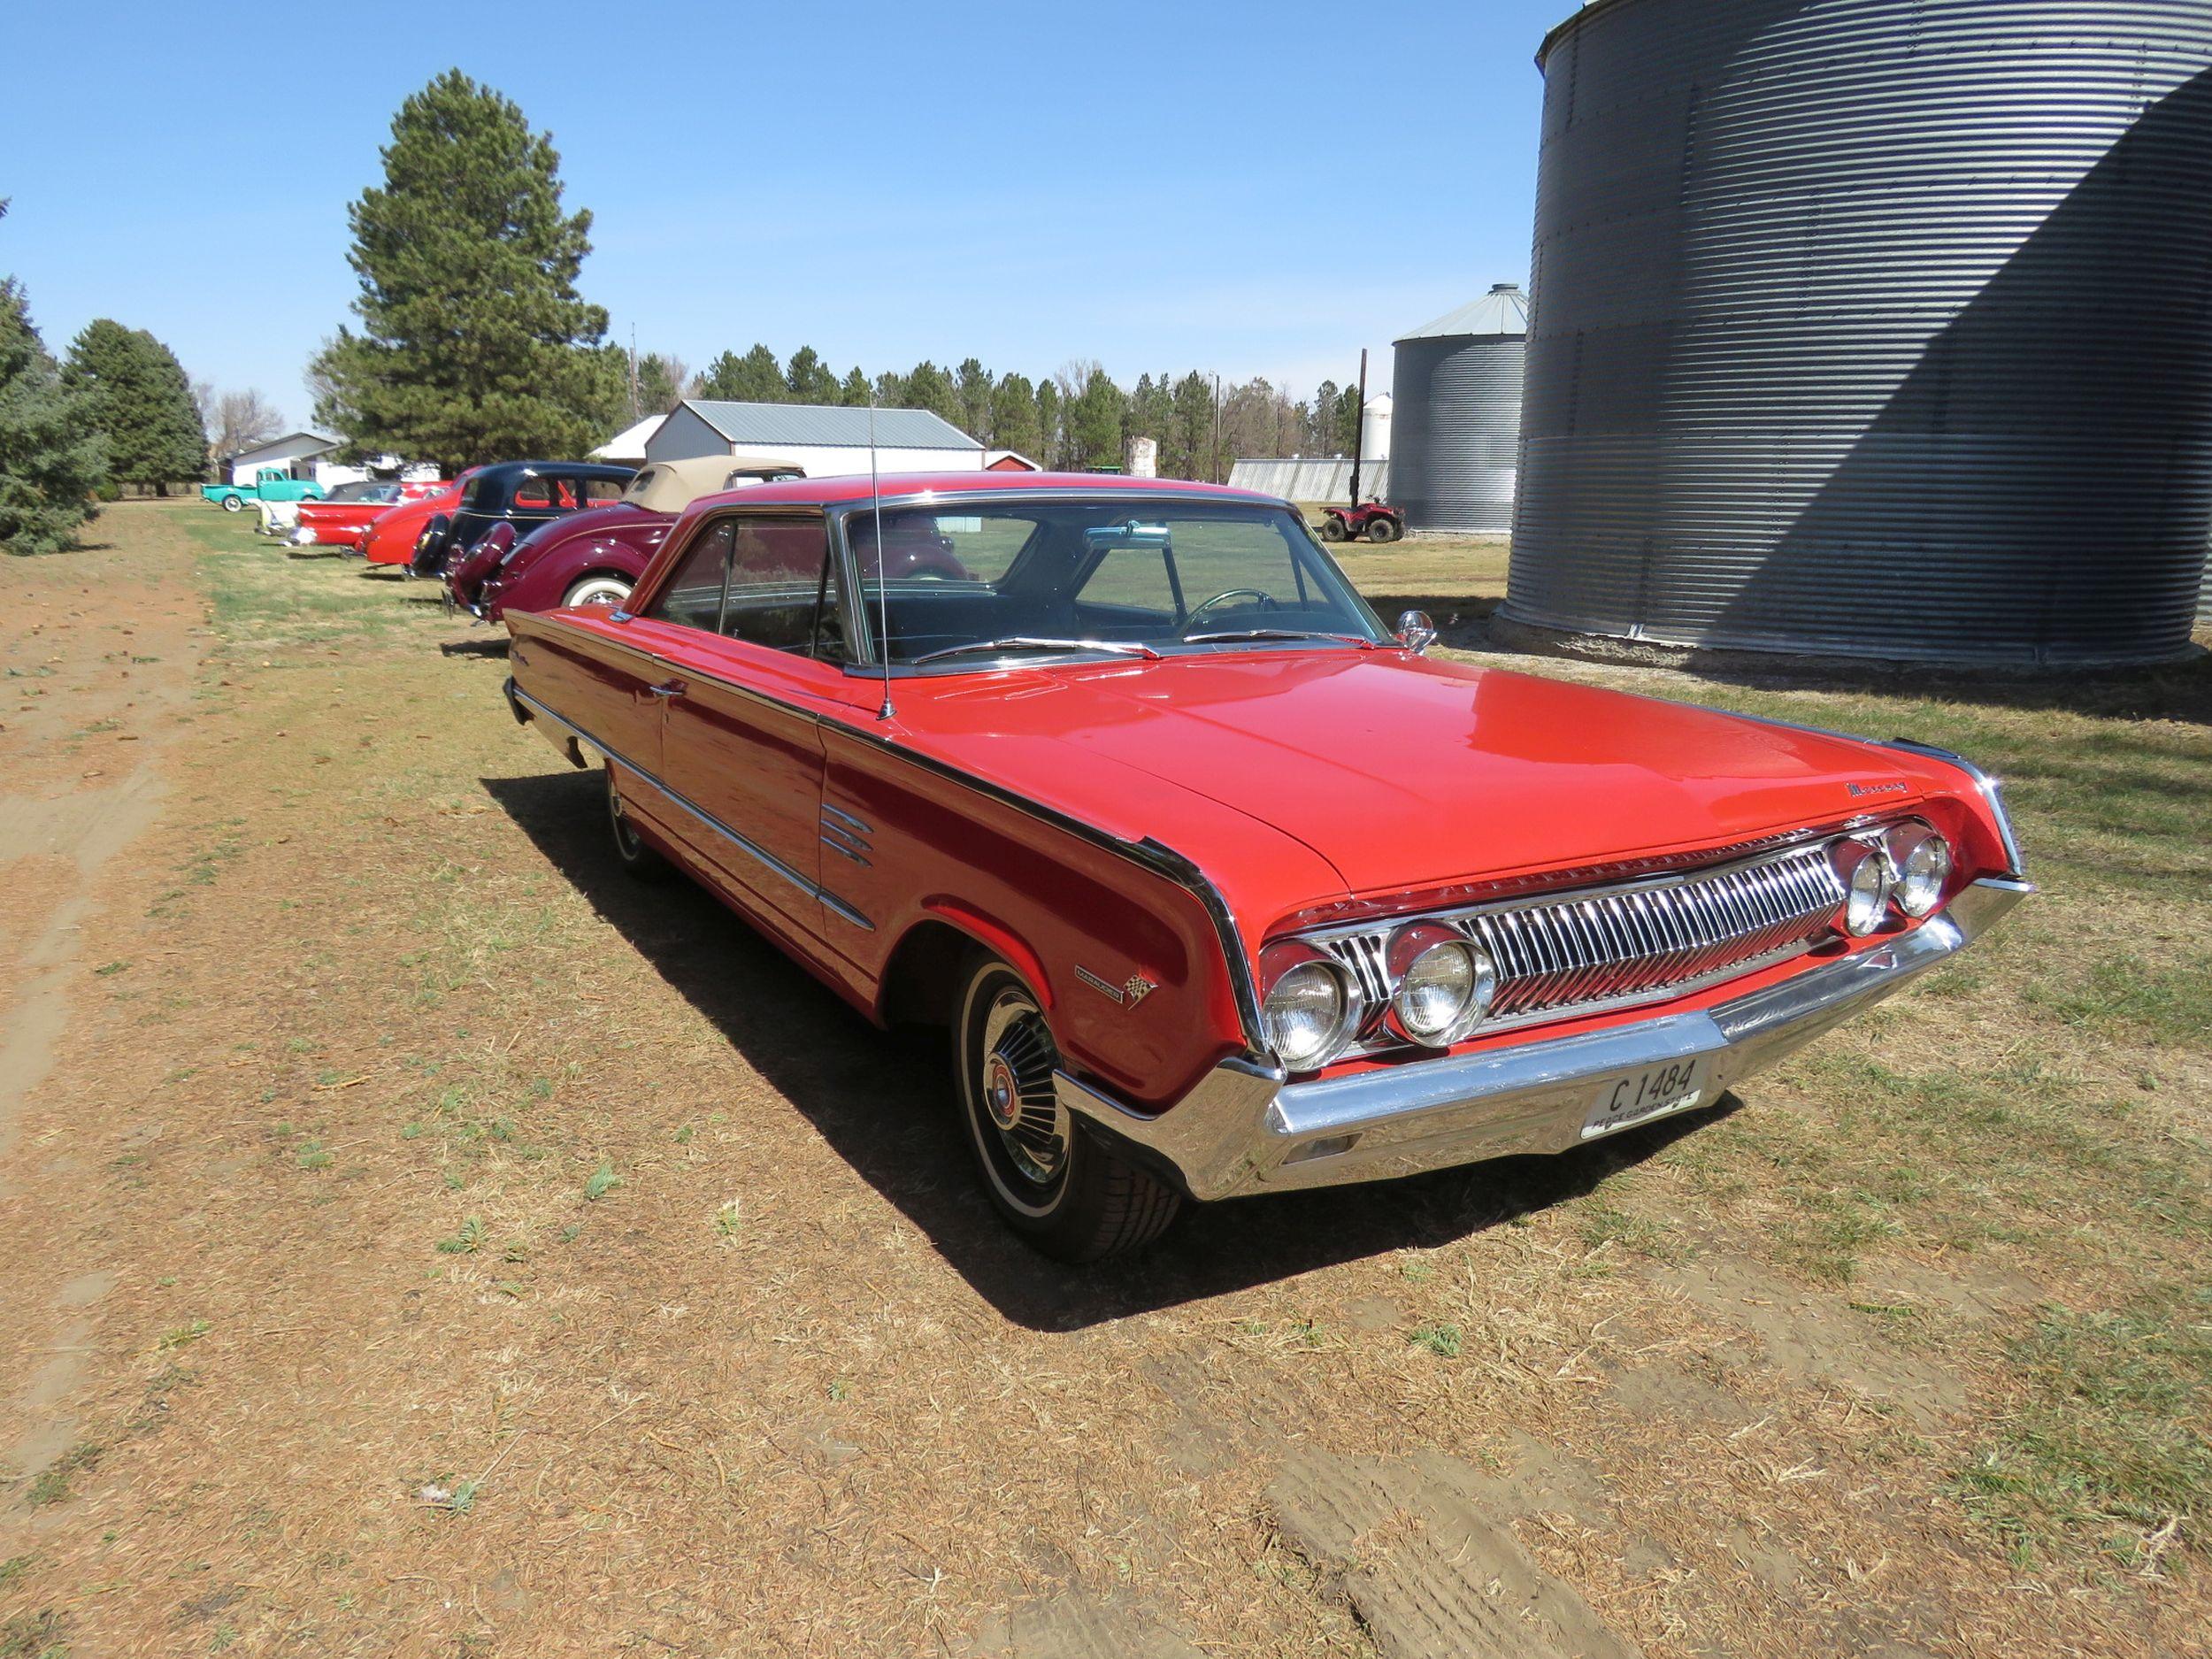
<point x="1218" y="886"/>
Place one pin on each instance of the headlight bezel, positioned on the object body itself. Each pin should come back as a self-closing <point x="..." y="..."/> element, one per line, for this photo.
<point x="1421" y="940"/>
<point x="1287" y="958"/>
<point x="1869" y="882"/>
<point x="1922" y="864"/>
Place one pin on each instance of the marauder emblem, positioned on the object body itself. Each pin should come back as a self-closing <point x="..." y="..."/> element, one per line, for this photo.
<point x="1128" y="994"/>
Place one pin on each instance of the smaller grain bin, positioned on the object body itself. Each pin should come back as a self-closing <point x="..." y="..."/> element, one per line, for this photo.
<point x="1456" y="434"/>
<point x="1374" y="429"/>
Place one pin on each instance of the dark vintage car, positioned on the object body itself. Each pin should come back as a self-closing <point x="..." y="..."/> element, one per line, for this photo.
<point x="1217" y="885"/>
<point x="523" y="493"/>
<point x="594" y="557"/>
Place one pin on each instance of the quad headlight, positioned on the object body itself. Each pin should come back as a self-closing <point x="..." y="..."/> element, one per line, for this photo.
<point x="1444" y="982"/>
<point x="1921" y="860"/>
<point x="1311" y="1009"/>
<point x="1869" y="880"/>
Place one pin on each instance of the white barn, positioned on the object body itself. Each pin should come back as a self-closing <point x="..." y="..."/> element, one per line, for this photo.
<point x="828" y="440"/>
<point x="298" y="453"/>
<point x="626" y="448"/>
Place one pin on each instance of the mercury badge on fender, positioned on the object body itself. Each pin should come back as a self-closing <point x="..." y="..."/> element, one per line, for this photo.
<point x="1220" y="886"/>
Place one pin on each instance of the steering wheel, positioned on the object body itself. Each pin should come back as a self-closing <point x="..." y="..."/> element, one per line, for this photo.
<point x="1267" y="601"/>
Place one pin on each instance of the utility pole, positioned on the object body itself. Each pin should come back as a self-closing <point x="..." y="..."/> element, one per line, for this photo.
<point x="1359" y="429"/>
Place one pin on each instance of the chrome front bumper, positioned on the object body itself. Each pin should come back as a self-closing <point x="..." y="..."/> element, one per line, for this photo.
<point x="1245" y="1129"/>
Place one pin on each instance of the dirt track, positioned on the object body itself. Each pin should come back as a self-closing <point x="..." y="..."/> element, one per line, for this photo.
<point x="414" y="1239"/>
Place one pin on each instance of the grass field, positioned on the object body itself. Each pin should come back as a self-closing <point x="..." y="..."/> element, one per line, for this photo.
<point x="420" y="1239"/>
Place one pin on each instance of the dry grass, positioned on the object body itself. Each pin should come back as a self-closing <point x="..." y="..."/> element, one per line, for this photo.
<point x="506" y="1258"/>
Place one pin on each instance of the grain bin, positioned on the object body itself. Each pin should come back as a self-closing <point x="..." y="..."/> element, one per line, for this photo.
<point x="1873" y="328"/>
<point x="1455" y="415"/>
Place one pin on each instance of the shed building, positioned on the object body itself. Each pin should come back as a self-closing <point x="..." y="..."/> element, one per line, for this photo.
<point x="1455" y="416"/>
<point x="828" y="440"/>
<point x="1872" y="327"/>
<point x="297" y="452"/>
<point x="626" y="448"/>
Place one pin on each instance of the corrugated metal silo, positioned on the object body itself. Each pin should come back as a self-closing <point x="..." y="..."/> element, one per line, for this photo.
<point x="1873" y="327"/>
<point x="1455" y="416"/>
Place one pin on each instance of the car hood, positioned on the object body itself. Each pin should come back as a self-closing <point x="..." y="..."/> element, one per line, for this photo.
<point x="1404" y="773"/>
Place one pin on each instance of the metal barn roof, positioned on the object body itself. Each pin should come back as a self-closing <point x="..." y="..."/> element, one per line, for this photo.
<point x="828" y="426"/>
<point x="1502" y="310"/>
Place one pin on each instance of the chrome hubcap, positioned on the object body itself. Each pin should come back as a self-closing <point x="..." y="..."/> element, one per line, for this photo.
<point x="1018" y="1056"/>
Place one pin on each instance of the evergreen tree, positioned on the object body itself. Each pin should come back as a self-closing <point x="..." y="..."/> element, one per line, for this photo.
<point x="660" y="384"/>
<point x="755" y="378"/>
<point x="474" y="343"/>
<point x="809" y="380"/>
<point x="890" y="390"/>
<point x="1093" y="421"/>
<point x="138" y="394"/>
<point x="854" y="393"/>
<point x="51" y="459"/>
<point x="974" y="385"/>
<point x="1014" y="419"/>
<point x="1322" y="437"/>
<point x="1051" y="442"/>
<point x="1188" y="451"/>
<point x="929" y="387"/>
<point x="1344" y="425"/>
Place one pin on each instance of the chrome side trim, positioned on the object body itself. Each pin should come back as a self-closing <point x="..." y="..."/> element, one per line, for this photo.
<point x="1245" y="1129"/>
<point x="751" y="850"/>
<point x="845" y="818"/>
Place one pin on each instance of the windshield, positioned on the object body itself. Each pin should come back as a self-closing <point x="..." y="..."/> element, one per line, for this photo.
<point x="1121" y="576"/>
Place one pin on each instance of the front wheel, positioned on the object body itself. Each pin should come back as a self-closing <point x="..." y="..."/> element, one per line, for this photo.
<point x="1380" y="529"/>
<point x="600" y="589"/>
<point x="1050" y="1176"/>
<point x="231" y="504"/>
<point x="1333" y="529"/>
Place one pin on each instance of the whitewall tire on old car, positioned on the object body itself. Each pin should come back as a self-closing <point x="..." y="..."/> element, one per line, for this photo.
<point x="597" y="589"/>
<point x="1048" y="1175"/>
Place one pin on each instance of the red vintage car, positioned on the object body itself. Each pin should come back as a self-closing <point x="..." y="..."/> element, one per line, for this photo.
<point x="595" y="557"/>
<point x="1218" y="886"/>
<point x="391" y="536"/>
<point x="342" y="523"/>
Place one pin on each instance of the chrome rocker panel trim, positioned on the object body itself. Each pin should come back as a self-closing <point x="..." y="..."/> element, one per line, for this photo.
<point x="1246" y="1129"/>
<point x="527" y="707"/>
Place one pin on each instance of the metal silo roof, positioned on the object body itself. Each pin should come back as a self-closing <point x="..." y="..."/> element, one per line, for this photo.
<point x="1502" y="310"/>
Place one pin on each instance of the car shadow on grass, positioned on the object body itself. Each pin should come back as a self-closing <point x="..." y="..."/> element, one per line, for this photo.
<point x="883" y="1101"/>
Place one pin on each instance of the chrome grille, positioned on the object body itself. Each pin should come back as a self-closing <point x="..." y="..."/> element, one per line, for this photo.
<point x="1636" y="941"/>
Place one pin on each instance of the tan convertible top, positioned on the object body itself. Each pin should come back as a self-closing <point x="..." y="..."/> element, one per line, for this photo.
<point x="672" y="486"/>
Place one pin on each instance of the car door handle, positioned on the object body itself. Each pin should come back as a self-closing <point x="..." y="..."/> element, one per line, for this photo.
<point x="666" y="688"/>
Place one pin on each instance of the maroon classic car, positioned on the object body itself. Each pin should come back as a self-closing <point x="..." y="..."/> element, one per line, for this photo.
<point x="593" y="558"/>
<point x="1218" y="886"/>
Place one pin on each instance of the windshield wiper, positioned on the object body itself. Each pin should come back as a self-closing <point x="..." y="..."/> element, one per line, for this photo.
<point x="1277" y="633"/>
<point x="1032" y="643"/>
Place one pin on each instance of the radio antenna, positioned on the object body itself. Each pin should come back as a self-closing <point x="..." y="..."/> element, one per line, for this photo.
<point x="883" y="564"/>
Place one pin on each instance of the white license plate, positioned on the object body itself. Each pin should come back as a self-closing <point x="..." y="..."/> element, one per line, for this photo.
<point x="1642" y="1095"/>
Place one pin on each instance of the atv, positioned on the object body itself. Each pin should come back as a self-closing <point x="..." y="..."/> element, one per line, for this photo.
<point x="1371" y="520"/>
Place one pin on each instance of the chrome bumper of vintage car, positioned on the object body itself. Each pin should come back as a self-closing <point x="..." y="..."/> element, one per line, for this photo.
<point x="1244" y="1129"/>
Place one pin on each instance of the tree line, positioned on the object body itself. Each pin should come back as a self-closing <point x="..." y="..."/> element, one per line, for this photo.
<point x="471" y="339"/>
<point x="118" y="410"/>
<point x="1078" y="418"/>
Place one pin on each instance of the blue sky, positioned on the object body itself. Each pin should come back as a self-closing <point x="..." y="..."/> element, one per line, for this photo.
<point x="1256" y="189"/>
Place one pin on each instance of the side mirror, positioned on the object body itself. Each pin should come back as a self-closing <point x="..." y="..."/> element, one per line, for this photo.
<point x="1415" y="632"/>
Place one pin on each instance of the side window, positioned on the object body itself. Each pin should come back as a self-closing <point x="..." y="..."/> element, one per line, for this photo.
<point x="693" y="593"/>
<point x="533" y="495"/>
<point x="779" y="584"/>
<point x="599" y="491"/>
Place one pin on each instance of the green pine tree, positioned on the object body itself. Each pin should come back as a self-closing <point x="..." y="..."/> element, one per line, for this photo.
<point x="1095" y="420"/>
<point x="474" y="342"/>
<point x="1187" y="450"/>
<point x="809" y="380"/>
<point x="1051" y="441"/>
<point x="1014" y="417"/>
<point x="51" y="459"/>
<point x="660" y="384"/>
<point x="138" y="394"/>
<point x="854" y="393"/>
<point x="973" y="386"/>
<point x="929" y="387"/>
<point x="755" y="378"/>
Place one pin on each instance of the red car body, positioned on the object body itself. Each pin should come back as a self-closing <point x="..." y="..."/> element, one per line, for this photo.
<point x="344" y="523"/>
<point x="613" y="543"/>
<point x="1139" y="846"/>
<point x="390" y="538"/>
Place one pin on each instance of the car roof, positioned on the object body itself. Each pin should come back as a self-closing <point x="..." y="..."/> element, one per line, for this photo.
<point x="904" y="486"/>
<point x="511" y="472"/>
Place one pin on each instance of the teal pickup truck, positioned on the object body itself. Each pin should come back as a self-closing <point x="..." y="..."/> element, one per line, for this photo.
<point x="271" y="483"/>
